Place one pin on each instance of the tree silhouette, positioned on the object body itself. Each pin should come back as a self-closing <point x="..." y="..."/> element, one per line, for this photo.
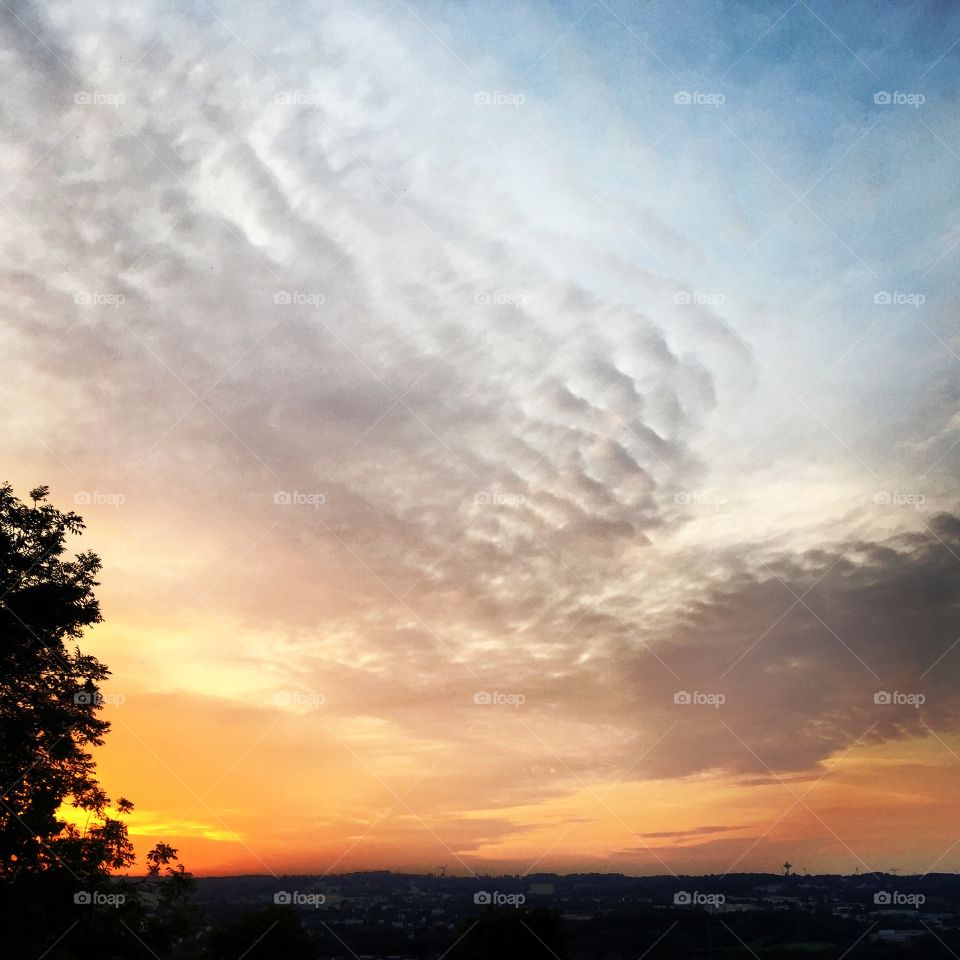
<point x="49" y="721"/>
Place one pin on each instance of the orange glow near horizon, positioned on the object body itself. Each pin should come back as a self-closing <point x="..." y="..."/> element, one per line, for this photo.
<point x="247" y="786"/>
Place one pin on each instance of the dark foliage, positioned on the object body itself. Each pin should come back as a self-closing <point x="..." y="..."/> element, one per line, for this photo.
<point x="59" y="893"/>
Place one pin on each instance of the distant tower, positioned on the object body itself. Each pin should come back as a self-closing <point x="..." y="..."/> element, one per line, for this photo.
<point x="443" y="871"/>
<point x="786" y="868"/>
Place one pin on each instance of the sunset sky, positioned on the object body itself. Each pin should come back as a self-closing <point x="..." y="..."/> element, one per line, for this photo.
<point x="585" y="358"/>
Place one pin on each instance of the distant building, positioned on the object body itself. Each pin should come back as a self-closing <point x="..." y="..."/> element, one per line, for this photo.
<point x="541" y="889"/>
<point x="897" y="936"/>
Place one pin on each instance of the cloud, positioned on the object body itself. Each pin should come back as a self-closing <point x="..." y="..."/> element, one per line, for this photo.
<point x="684" y="834"/>
<point x="376" y="383"/>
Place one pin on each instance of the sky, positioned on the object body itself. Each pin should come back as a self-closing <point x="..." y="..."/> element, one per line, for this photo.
<point x="519" y="437"/>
